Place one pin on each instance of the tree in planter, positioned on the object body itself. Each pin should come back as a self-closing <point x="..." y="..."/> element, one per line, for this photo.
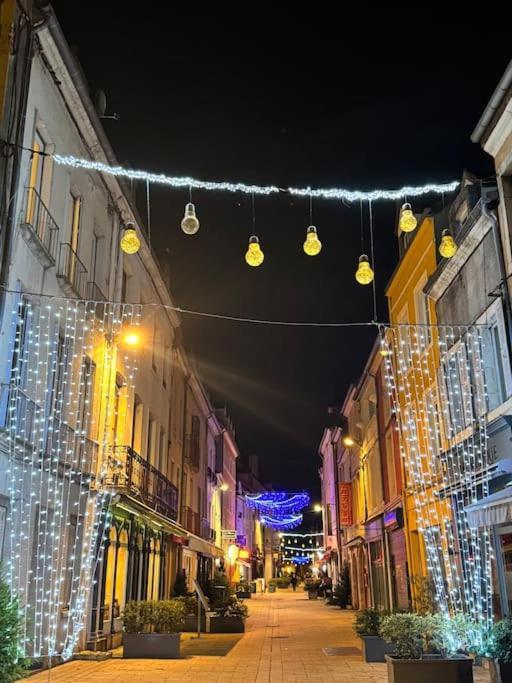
<point x="232" y="607"/>
<point x="168" y="616"/>
<point x="405" y="632"/>
<point x="11" y="667"/>
<point x="367" y="622"/>
<point x="343" y="591"/>
<point x="180" y="588"/>
<point x="424" y="595"/>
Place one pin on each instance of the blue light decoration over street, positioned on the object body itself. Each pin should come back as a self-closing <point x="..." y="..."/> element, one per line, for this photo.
<point x="279" y="510"/>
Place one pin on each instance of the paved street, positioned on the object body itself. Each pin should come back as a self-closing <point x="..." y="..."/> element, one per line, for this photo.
<point x="286" y="639"/>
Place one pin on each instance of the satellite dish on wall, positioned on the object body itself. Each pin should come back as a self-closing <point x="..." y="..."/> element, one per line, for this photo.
<point x="100" y="102"/>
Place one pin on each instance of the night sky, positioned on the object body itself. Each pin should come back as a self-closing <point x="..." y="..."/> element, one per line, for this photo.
<point x="296" y="100"/>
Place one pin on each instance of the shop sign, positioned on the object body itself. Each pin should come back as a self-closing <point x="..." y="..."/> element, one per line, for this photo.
<point x="244" y="554"/>
<point x="394" y="518"/>
<point x="345" y="498"/>
<point x="229" y="534"/>
<point x="241" y="539"/>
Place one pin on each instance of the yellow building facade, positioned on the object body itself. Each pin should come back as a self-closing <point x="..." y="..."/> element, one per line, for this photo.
<point x="411" y="314"/>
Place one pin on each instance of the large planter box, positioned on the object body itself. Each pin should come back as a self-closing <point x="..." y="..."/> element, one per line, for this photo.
<point x="151" y="645"/>
<point x="453" y="670"/>
<point x="500" y="672"/>
<point x="227" y="624"/>
<point x="374" y="648"/>
<point x="190" y="624"/>
<point x="244" y="595"/>
<point x="271" y="588"/>
<point x="312" y="593"/>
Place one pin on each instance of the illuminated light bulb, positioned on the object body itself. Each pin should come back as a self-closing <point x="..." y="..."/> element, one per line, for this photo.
<point x="317" y="508"/>
<point x="254" y="256"/>
<point x="348" y="441"/>
<point x="448" y="246"/>
<point x="384" y="351"/>
<point x="131" y="339"/>
<point x="408" y="220"/>
<point x="130" y="243"/>
<point x="312" y="245"/>
<point x="190" y="222"/>
<point x="364" y="272"/>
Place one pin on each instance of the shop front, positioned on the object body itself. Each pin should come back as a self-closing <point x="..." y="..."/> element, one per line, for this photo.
<point x="396" y="551"/>
<point x="137" y="562"/>
<point x="376" y="563"/>
<point x="494" y="512"/>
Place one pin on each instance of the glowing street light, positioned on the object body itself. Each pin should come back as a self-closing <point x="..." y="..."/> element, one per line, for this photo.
<point x="224" y="487"/>
<point x="317" y="507"/>
<point x="131" y="339"/>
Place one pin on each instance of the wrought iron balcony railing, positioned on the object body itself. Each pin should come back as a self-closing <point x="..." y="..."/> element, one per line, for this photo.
<point x="71" y="272"/>
<point x="39" y="229"/>
<point x="127" y="470"/>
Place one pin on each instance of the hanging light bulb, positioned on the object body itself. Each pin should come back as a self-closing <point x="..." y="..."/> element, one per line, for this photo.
<point x="408" y="220"/>
<point x="130" y="243"/>
<point x="448" y="246"/>
<point x="254" y="256"/>
<point x="190" y="222"/>
<point x="364" y="272"/>
<point x="312" y="245"/>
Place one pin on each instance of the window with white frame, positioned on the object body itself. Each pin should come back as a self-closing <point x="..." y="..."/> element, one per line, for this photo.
<point x="422" y="313"/>
<point x="495" y="358"/>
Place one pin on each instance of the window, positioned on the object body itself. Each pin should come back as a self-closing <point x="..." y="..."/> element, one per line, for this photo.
<point x="162" y="452"/>
<point x="494" y="358"/>
<point x="390" y="462"/>
<point x="165" y="376"/>
<point x="95" y="257"/>
<point x="117" y="425"/>
<point x="86" y="398"/>
<point x="74" y="220"/>
<point x="151" y="446"/>
<point x="156" y="347"/>
<point x="422" y="314"/>
<point x="39" y="181"/>
<point x="138" y="417"/>
<point x="433" y="424"/>
<point x="124" y="286"/>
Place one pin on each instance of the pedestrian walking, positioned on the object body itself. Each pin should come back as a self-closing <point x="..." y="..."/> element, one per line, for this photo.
<point x="293" y="581"/>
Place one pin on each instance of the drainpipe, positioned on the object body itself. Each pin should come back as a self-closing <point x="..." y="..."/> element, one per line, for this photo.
<point x="491" y="216"/>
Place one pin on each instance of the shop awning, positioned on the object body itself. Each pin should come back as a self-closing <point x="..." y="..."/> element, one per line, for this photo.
<point x="200" y="545"/>
<point x="493" y="509"/>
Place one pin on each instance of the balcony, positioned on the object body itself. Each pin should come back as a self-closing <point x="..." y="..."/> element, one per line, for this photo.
<point x="206" y="531"/>
<point x="128" y="471"/>
<point x="71" y="272"/>
<point x="38" y="228"/>
<point x="52" y="438"/>
<point x="193" y="451"/>
<point x="191" y="521"/>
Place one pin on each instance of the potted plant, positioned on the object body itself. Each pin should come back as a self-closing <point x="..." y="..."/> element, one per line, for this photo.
<point x="367" y="627"/>
<point x="11" y="667"/>
<point x="500" y="651"/>
<point x="272" y="586"/>
<point x="421" y="650"/>
<point x="152" y="629"/>
<point x="243" y="591"/>
<point x="191" y="606"/>
<point x="283" y="582"/>
<point x="229" y="616"/>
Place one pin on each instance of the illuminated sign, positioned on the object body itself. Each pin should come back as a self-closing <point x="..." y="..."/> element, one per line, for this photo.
<point x="345" y="489"/>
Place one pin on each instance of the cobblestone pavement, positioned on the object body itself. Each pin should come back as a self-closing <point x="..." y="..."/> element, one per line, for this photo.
<point x="286" y="641"/>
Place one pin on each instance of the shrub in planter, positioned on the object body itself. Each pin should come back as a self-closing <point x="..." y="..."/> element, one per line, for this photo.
<point x="420" y="650"/>
<point x="367" y="627"/>
<point x="11" y="667"/>
<point x="500" y="651"/>
<point x="243" y="590"/>
<point x="229" y="616"/>
<point x="152" y="628"/>
<point x="342" y="591"/>
<point x="282" y="582"/>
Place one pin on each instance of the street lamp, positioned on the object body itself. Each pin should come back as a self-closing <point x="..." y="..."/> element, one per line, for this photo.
<point x="224" y="487"/>
<point x="131" y="339"/>
<point x="317" y="507"/>
<point x="349" y="441"/>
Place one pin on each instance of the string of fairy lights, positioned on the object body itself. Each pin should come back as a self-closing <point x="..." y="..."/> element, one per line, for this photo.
<point x="254" y="256"/>
<point x="301" y="549"/>
<point x="436" y="380"/>
<point x="279" y="510"/>
<point x="65" y="359"/>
